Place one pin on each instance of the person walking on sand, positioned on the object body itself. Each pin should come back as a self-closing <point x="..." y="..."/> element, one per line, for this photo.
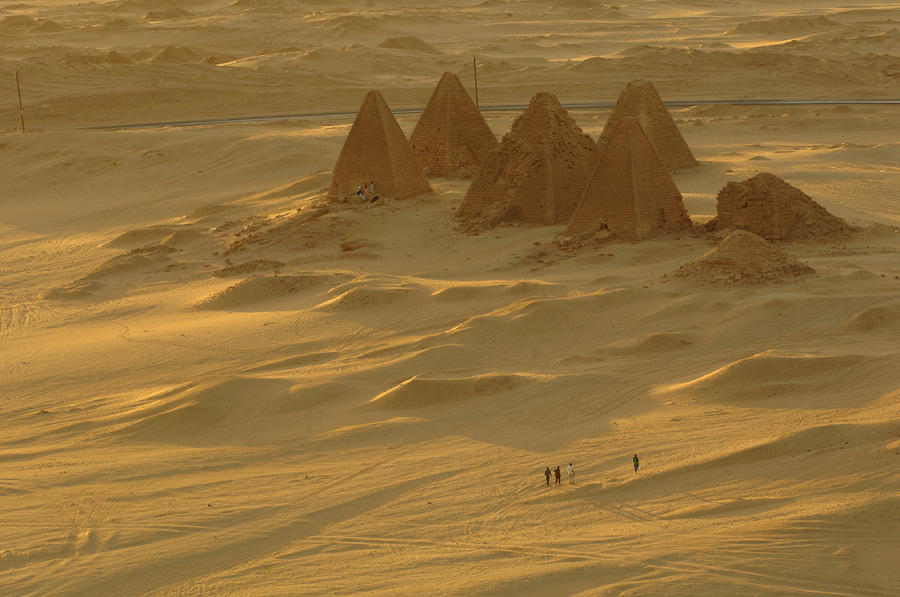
<point x="571" y="472"/>
<point x="637" y="462"/>
<point x="557" y="475"/>
<point x="547" y="474"/>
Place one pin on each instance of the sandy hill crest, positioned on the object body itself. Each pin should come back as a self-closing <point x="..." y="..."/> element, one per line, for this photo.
<point x="640" y="101"/>
<point x="409" y="43"/>
<point x="538" y="173"/>
<point x="787" y="24"/>
<point x="376" y="149"/>
<point x="175" y="55"/>
<point x="744" y="258"/>
<point x="770" y="207"/>
<point x="451" y="138"/>
<point x="630" y="190"/>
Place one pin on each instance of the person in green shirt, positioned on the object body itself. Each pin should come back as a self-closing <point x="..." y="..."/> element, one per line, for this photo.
<point x="637" y="462"/>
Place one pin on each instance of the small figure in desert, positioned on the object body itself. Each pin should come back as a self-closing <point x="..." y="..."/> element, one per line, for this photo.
<point x="361" y="193"/>
<point x="637" y="462"/>
<point x="371" y="194"/>
<point x="571" y="472"/>
<point x="547" y="475"/>
<point x="557" y="474"/>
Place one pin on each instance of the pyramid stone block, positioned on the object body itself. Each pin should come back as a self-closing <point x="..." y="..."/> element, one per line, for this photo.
<point x="537" y="174"/>
<point x="376" y="149"/>
<point x="451" y="138"/>
<point x="630" y="190"/>
<point x="639" y="100"/>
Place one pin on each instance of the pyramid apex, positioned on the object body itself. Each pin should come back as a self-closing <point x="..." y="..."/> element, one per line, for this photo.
<point x="543" y="98"/>
<point x="451" y="138"/>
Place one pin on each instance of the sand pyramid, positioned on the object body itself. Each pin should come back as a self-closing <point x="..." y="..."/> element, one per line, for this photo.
<point x="630" y="190"/>
<point x="744" y="258"/>
<point x="451" y="138"/>
<point x="376" y="149"/>
<point x="640" y="100"/>
<point x="537" y="174"/>
<point x="768" y="206"/>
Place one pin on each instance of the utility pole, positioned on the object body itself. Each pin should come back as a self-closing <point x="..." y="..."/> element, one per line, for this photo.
<point x="21" y="110"/>
<point x="475" y="70"/>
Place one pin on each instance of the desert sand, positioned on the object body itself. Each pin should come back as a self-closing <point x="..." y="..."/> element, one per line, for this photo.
<point x="213" y="383"/>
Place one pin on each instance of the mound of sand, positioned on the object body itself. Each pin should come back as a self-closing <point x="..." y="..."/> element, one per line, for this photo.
<point x="27" y="23"/>
<point x="776" y="373"/>
<point x="248" y="267"/>
<point x="744" y="258"/>
<point x="49" y="26"/>
<point x="114" y="57"/>
<point x="451" y="138"/>
<point x="140" y="237"/>
<point x="260" y="289"/>
<point x="365" y="296"/>
<point x="880" y="317"/>
<point x="168" y="14"/>
<point x="791" y="24"/>
<point x="768" y="206"/>
<point x="537" y="175"/>
<point x="418" y="392"/>
<point x="410" y="43"/>
<point x="176" y="55"/>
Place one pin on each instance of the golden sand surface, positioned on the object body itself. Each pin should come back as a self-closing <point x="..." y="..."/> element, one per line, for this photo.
<point x="211" y="383"/>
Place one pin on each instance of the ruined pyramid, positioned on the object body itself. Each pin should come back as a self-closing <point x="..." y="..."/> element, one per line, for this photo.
<point x="376" y="149"/>
<point x="743" y="258"/>
<point x="630" y="191"/>
<point x="537" y="174"/>
<point x="770" y="207"/>
<point x="640" y="100"/>
<point x="451" y="138"/>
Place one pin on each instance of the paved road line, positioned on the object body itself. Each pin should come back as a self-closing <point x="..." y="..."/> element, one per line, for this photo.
<point x="503" y="108"/>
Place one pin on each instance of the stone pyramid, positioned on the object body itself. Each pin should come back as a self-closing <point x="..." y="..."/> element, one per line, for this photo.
<point x="451" y="138"/>
<point x="537" y="174"/>
<point x="630" y="190"/>
<point x="376" y="149"/>
<point x="770" y="207"/>
<point x="640" y="100"/>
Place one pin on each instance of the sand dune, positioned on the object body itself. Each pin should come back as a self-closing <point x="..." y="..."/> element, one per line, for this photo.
<point x="417" y="392"/>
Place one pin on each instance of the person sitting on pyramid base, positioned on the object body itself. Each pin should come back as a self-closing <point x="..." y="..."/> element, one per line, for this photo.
<point x="371" y="195"/>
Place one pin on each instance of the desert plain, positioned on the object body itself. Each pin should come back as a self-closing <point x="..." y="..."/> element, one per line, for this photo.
<point x="212" y="384"/>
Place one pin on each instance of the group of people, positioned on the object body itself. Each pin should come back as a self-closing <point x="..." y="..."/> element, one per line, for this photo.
<point x="557" y="474"/>
<point x="366" y="192"/>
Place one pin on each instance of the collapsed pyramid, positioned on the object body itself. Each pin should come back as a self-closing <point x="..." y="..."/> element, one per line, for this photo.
<point x="630" y="190"/>
<point x="743" y="258"/>
<point x="376" y="149"/>
<point x="537" y="174"/>
<point x="640" y="100"/>
<point x="770" y="207"/>
<point x="451" y="138"/>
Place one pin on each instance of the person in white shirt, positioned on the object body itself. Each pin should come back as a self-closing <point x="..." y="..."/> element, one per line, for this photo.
<point x="571" y="472"/>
